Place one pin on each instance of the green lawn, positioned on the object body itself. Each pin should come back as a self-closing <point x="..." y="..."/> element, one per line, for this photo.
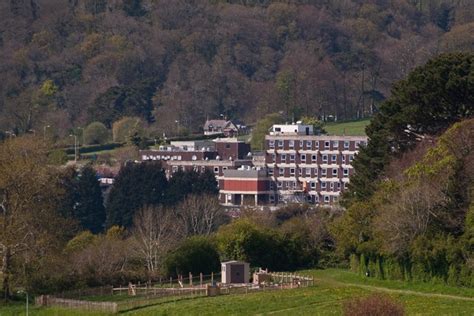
<point x="353" y="128"/>
<point x="332" y="288"/>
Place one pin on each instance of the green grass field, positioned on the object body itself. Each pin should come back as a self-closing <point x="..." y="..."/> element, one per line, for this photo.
<point x="353" y="128"/>
<point x="332" y="288"/>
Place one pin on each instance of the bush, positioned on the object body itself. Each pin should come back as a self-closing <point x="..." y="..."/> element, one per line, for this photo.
<point x="373" y="305"/>
<point x="57" y="157"/>
<point x="96" y="133"/>
<point x="195" y="255"/>
<point x="93" y="148"/>
<point x="126" y="128"/>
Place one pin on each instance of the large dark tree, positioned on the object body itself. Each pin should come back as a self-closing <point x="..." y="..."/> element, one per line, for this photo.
<point x="136" y="185"/>
<point x="184" y="183"/>
<point x="89" y="207"/>
<point x="424" y="104"/>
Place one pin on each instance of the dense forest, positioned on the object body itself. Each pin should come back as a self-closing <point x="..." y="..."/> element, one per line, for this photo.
<point x="65" y="64"/>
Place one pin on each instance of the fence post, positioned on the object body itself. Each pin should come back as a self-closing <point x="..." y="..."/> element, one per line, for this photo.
<point x="171" y="282"/>
<point x="212" y="277"/>
<point x="190" y="279"/>
<point x="200" y="278"/>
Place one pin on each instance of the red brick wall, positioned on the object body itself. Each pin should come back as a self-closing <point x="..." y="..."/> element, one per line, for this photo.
<point x="245" y="185"/>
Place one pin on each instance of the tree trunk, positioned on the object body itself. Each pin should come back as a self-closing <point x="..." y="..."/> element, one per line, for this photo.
<point x="6" y="273"/>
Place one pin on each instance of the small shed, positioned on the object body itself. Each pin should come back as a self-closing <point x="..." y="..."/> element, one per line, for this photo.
<point x="235" y="272"/>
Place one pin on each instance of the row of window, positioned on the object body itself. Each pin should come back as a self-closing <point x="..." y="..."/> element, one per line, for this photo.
<point x="314" y="158"/>
<point x="196" y="169"/>
<point x="310" y="172"/>
<point x="308" y="144"/>
<point x="310" y="198"/>
<point x="324" y="185"/>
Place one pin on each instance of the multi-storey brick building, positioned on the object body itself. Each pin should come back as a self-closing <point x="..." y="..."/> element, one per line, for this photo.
<point x="217" y="155"/>
<point x="299" y="166"/>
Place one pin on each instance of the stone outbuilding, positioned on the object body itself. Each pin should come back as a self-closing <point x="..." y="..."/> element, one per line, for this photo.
<point x="235" y="272"/>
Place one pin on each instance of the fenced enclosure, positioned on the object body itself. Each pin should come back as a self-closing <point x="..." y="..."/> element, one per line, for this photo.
<point x="123" y="298"/>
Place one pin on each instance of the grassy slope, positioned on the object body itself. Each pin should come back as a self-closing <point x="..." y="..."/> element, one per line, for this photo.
<point x="332" y="288"/>
<point x="353" y="128"/>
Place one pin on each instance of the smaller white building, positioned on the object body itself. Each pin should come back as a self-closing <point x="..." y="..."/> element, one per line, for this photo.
<point x="292" y="129"/>
<point x="235" y="272"/>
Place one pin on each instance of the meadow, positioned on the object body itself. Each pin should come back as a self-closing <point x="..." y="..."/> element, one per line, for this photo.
<point x="350" y="128"/>
<point x="332" y="288"/>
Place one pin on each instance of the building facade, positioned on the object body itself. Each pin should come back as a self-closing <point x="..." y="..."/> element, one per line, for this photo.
<point x="299" y="167"/>
<point x="217" y="156"/>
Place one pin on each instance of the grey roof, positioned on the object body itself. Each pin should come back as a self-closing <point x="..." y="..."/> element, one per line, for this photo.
<point x="219" y="124"/>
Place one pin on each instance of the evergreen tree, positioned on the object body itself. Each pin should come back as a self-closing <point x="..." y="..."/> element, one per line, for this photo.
<point x="180" y="185"/>
<point x="136" y="185"/>
<point x="207" y="184"/>
<point x="426" y="103"/>
<point x="184" y="183"/>
<point x="89" y="207"/>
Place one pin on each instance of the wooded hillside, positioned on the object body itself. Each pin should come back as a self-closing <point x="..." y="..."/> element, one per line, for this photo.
<point x="66" y="64"/>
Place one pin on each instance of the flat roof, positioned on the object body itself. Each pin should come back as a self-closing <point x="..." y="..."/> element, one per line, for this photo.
<point x="228" y="140"/>
<point x="317" y="137"/>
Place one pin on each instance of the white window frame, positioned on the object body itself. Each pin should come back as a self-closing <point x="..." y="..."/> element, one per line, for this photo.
<point x="303" y="157"/>
<point x="323" y="185"/>
<point x="308" y="144"/>
<point x="283" y="158"/>
<point x="292" y="158"/>
<point x="334" y="172"/>
<point x="280" y="144"/>
<point x="271" y="143"/>
<point x="327" y="144"/>
<point x="313" y="185"/>
<point x="270" y="171"/>
<point x="325" y="158"/>
<point x="308" y="172"/>
<point x="292" y="171"/>
<point x="281" y="171"/>
<point x="346" y="144"/>
<point x="345" y="172"/>
<point x="216" y="169"/>
<point x="314" y="158"/>
<point x="335" y="144"/>
<point x="324" y="172"/>
<point x="291" y="144"/>
<point x="333" y="158"/>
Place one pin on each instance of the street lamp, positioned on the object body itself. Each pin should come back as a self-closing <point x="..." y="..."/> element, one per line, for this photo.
<point x="177" y="127"/>
<point x="75" y="146"/>
<point x="27" y="300"/>
<point x="44" y="131"/>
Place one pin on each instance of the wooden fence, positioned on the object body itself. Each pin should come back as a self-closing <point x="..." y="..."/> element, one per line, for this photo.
<point x="152" y="294"/>
<point x="48" y="300"/>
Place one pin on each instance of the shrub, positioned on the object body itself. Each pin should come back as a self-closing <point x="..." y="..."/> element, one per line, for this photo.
<point x="195" y="255"/>
<point x="96" y="133"/>
<point x="126" y="128"/>
<point x="373" y="305"/>
<point x="57" y="157"/>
